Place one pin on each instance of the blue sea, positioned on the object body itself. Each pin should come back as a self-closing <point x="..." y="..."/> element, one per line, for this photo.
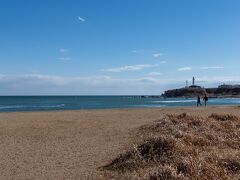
<point x="45" y="103"/>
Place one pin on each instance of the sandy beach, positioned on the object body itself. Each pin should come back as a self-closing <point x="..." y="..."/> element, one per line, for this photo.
<point x="74" y="144"/>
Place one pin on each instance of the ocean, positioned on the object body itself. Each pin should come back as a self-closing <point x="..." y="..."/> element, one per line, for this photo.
<point x="47" y="103"/>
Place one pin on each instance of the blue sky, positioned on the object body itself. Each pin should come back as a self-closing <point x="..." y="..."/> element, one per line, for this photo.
<point x="116" y="47"/>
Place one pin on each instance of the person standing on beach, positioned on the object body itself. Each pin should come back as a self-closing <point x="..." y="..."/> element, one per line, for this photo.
<point x="205" y="100"/>
<point x="199" y="101"/>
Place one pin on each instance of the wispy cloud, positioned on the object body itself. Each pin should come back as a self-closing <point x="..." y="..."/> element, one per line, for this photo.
<point x="130" y="68"/>
<point x="220" y="79"/>
<point x="163" y="62"/>
<point x="63" y="53"/>
<point x="62" y="50"/>
<point x="185" y="69"/>
<point x="154" y="74"/>
<point x="65" y="58"/>
<point x="212" y="67"/>
<point x="156" y="55"/>
<point x="137" y="51"/>
<point x="81" y="19"/>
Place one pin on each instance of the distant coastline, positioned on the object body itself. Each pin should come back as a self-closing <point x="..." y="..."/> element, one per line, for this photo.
<point x="222" y="91"/>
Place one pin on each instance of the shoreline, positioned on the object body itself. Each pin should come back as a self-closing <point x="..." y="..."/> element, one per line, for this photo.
<point x="130" y="108"/>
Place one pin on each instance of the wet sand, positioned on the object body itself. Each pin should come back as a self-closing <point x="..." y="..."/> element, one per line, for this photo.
<point x="73" y="144"/>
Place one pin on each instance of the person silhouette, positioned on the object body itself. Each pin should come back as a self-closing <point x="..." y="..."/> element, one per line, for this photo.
<point x="205" y="98"/>
<point x="199" y="101"/>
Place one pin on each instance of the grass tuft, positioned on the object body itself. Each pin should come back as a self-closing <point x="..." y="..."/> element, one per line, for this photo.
<point x="232" y="165"/>
<point x="153" y="149"/>
<point x="223" y="117"/>
<point x="182" y="146"/>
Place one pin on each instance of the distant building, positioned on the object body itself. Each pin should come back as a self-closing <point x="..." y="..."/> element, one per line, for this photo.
<point x="236" y="86"/>
<point x="193" y="84"/>
<point x="225" y="86"/>
<point x="228" y="86"/>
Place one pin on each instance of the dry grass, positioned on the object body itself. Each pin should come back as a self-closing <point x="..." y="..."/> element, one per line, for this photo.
<point x="223" y="117"/>
<point x="182" y="146"/>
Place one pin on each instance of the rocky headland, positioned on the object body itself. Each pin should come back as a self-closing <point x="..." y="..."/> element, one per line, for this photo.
<point x="223" y="91"/>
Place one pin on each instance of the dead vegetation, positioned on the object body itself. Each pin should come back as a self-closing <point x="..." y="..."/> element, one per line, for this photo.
<point x="223" y="117"/>
<point x="182" y="146"/>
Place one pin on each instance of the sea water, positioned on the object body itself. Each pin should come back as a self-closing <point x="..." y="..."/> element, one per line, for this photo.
<point x="44" y="103"/>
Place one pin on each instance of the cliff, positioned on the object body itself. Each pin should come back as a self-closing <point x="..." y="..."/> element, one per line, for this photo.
<point x="184" y="92"/>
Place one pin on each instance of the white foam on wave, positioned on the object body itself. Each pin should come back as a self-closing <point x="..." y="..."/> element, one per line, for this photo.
<point x="53" y="106"/>
<point x="176" y="101"/>
<point x="11" y="107"/>
<point x="20" y="106"/>
<point x="149" y="105"/>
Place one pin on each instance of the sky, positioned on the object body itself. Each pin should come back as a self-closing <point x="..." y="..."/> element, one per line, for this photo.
<point x="117" y="47"/>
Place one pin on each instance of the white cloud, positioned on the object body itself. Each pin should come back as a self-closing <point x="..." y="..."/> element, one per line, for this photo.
<point x="40" y="84"/>
<point x="154" y="73"/>
<point x="62" y="50"/>
<point x="65" y="58"/>
<point x="130" y="68"/>
<point x="185" y="69"/>
<point x="156" y="55"/>
<point x="220" y="79"/>
<point x="212" y="67"/>
<point x="81" y="19"/>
